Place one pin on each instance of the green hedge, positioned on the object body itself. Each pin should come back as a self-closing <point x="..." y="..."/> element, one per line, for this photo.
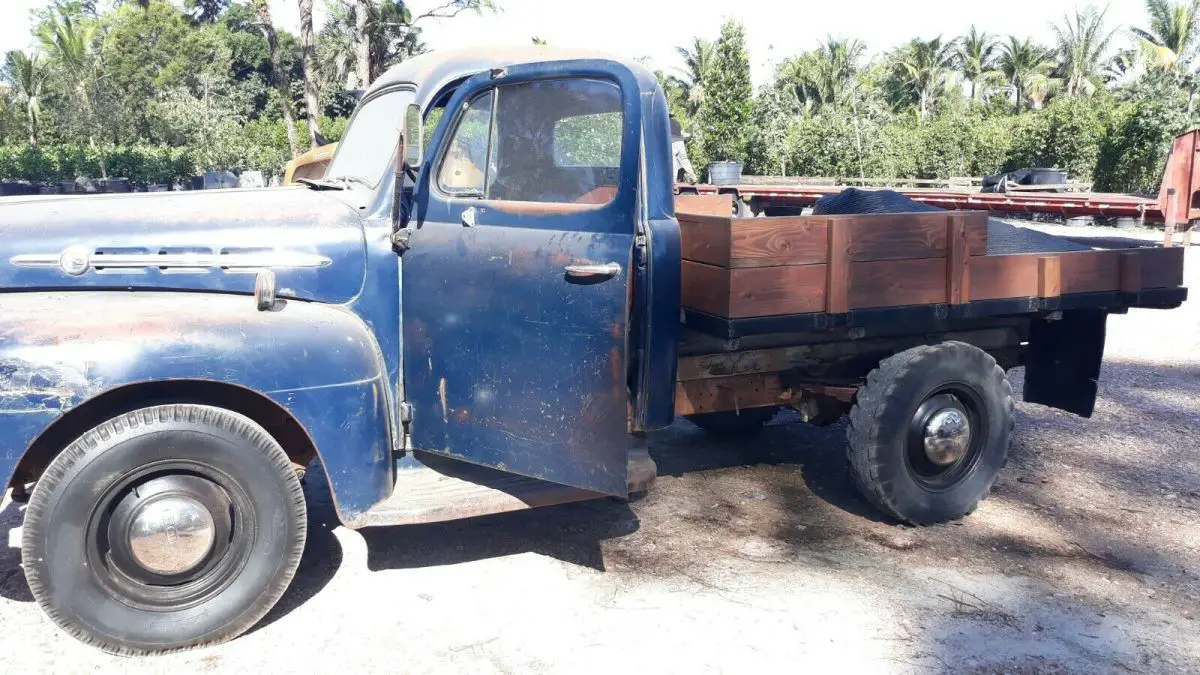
<point x="1119" y="146"/>
<point x="142" y="164"/>
<point x="262" y="145"/>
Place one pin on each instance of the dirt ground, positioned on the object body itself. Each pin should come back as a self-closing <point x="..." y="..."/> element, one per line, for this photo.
<point x="760" y="555"/>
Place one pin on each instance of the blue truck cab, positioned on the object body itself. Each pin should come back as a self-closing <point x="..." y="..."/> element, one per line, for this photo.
<point x="476" y="310"/>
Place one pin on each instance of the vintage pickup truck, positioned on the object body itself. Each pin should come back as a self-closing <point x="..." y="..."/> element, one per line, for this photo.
<point x="486" y="317"/>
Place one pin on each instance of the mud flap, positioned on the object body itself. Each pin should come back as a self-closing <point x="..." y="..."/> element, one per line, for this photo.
<point x="1063" y="367"/>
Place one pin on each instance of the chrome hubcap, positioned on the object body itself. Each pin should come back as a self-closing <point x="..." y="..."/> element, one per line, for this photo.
<point x="947" y="436"/>
<point x="171" y="534"/>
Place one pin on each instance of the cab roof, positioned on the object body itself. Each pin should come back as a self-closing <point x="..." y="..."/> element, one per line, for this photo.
<point x="430" y="73"/>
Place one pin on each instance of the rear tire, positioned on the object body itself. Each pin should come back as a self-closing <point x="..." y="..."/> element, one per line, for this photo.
<point x="734" y="422"/>
<point x="165" y="528"/>
<point x="930" y="432"/>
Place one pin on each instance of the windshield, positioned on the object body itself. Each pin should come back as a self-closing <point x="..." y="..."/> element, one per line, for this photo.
<point x="370" y="140"/>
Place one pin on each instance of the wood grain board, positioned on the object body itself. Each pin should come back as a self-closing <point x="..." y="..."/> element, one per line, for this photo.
<point x="741" y="268"/>
<point x="802" y="240"/>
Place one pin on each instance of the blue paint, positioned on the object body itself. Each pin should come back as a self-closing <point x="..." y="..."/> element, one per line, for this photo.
<point x="509" y="363"/>
<point x="538" y="372"/>
<point x="316" y="360"/>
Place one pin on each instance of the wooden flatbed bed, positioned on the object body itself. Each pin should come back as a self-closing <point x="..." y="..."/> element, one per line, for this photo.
<point x="773" y="306"/>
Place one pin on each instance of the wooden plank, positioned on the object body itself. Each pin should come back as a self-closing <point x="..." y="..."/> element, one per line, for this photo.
<point x="893" y="283"/>
<point x="738" y="392"/>
<point x="706" y="366"/>
<point x="1090" y="271"/>
<point x="705" y="288"/>
<point x="1130" y="270"/>
<point x="900" y="236"/>
<point x="765" y="291"/>
<point x="957" y="255"/>
<point x="837" y="271"/>
<point x="704" y="205"/>
<point x="1161" y="267"/>
<point x="788" y="240"/>
<point x="802" y="240"/>
<point x="1003" y="276"/>
<point x="705" y="238"/>
<point x="1049" y="276"/>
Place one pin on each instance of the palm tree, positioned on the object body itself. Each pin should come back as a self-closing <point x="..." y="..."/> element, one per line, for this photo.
<point x="370" y="35"/>
<point x="1024" y="65"/>
<point x="696" y="59"/>
<point x="278" y="75"/>
<point x="1172" y="36"/>
<point x="975" y="55"/>
<point x="1082" y="42"/>
<point x="312" y="96"/>
<point x="73" y="46"/>
<point x="922" y="66"/>
<point x="824" y="76"/>
<point x="27" y="76"/>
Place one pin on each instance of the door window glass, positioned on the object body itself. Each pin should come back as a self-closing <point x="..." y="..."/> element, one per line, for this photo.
<point x="462" y="172"/>
<point x="553" y="141"/>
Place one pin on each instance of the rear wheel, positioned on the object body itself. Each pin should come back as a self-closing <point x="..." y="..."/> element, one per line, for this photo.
<point x="930" y="431"/>
<point x="734" y="422"/>
<point x="165" y="528"/>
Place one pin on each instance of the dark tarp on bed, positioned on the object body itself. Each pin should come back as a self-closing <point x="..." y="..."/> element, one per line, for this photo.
<point x="1003" y="239"/>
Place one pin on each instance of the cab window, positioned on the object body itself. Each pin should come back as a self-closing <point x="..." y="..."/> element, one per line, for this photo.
<point x="555" y="141"/>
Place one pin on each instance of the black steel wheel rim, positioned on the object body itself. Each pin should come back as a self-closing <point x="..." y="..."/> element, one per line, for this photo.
<point x="116" y="567"/>
<point x="940" y="478"/>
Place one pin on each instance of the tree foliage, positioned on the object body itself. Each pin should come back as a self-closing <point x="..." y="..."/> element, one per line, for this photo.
<point x="724" y="114"/>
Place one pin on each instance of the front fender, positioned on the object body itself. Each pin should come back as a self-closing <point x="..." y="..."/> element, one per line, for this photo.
<point x="319" y="362"/>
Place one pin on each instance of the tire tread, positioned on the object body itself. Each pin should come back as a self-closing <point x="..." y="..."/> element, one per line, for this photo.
<point x="35" y="521"/>
<point x="862" y="434"/>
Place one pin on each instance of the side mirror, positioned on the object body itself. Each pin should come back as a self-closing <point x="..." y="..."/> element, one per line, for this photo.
<point x="413" y="137"/>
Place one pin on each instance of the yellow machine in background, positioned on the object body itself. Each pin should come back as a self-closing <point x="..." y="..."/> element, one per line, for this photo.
<point x="311" y="164"/>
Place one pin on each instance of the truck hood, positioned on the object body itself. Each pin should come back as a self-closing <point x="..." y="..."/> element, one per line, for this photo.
<point x="212" y="240"/>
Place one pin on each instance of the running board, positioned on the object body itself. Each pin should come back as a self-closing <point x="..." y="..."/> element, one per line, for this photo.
<point x="443" y="489"/>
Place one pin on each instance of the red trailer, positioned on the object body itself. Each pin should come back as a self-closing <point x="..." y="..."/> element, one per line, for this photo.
<point x="1177" y="203"/>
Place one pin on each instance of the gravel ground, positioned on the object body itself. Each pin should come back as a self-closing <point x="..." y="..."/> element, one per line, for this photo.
<point x="759" y="554"/>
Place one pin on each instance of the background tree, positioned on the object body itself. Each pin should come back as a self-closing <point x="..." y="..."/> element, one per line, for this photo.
<point x="1081" y="50"/>
<point x="824" y="76"/>
<point x="1171" y="38"/>
<point x="725" y="113"/>
<point x="278" y="76"/>
<point x="73" y="44"/>
<point x="921" y="67"/>
<point x="975" y="58"/>
<point x="203" y="11"/>
<point x="312" y="96"/>
<point x="1026" y="67"/>
<point x="27" y="74"/>
<point x="697" y="57"/>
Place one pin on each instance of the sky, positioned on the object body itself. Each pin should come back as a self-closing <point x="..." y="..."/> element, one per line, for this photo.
<point x="775" y="29"/>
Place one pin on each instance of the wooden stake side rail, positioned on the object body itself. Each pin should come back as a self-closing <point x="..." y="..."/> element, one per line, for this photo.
<point x="756" y="267"/>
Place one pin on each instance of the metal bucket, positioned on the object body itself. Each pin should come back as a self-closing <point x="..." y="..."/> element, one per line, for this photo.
<point x="725" y="173"/>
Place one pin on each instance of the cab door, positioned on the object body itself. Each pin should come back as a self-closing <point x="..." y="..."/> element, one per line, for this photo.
<point x="516" y="281"/>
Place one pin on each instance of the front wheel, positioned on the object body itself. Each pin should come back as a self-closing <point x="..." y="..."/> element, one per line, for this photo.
<point x="165" y="528"/>
<point x="930" y="431"/>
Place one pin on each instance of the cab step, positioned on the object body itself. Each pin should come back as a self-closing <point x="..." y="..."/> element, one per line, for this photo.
<point x="438" y="488"/>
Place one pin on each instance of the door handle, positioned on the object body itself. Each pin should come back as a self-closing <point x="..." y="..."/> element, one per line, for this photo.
<point x="611" y="269"/>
